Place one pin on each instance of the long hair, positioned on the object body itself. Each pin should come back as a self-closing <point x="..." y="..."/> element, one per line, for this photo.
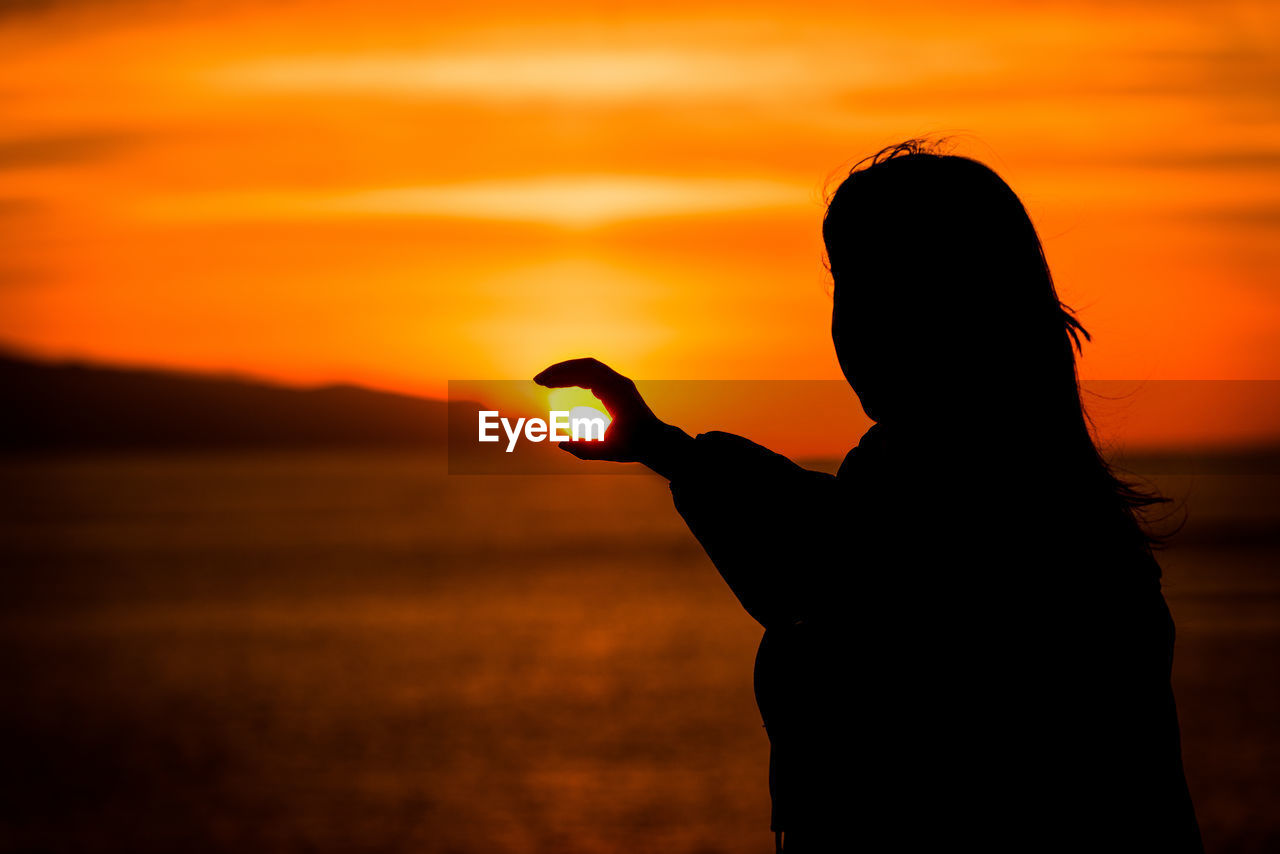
<point x="937" y="269"/>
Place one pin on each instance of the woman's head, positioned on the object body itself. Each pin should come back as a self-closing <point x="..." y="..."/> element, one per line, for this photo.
<point x="946" y="322"/>
<point x="941" y="288"/>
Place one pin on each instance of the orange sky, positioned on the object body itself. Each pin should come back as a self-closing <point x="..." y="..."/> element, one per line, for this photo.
<point x="400" y="194"/>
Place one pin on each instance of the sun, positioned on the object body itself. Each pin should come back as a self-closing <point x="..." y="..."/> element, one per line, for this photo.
<point x="579" y="403"/>
<point x="566" y="399"/>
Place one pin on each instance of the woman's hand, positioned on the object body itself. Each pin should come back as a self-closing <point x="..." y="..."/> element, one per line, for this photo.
<point x="635" y="433"/>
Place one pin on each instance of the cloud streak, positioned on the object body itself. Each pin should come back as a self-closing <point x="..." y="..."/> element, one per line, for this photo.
<point x="671" y="73"/>
<point x="567" y="201"/>
<point x="25" y="152"/>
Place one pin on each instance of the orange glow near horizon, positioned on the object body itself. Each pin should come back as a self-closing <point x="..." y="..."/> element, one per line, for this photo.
<point x="395" y="196"/>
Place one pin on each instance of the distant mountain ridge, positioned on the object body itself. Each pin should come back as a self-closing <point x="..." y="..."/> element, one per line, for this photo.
<point x="71" y="406"/>
<point x="67" y="406"/>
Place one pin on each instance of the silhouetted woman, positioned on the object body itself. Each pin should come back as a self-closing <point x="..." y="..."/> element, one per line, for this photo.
<point x="966" y="646"/>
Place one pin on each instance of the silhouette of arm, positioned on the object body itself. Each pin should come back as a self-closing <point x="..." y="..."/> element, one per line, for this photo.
<point x="772" y="528"/>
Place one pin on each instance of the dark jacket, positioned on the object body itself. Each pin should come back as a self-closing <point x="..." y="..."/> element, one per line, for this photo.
<point x="947" y="659"/>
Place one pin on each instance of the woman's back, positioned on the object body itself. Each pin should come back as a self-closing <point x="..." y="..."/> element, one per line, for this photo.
<point x="976" y="669"/>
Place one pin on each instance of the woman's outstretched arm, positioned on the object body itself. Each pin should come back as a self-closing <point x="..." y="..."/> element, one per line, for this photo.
<point x="771" y="527"/>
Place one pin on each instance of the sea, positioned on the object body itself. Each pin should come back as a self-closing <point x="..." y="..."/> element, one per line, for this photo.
<point x="353" y="651"/>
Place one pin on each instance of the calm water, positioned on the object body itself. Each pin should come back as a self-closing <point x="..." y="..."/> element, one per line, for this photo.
<point x="357" y="653"/>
